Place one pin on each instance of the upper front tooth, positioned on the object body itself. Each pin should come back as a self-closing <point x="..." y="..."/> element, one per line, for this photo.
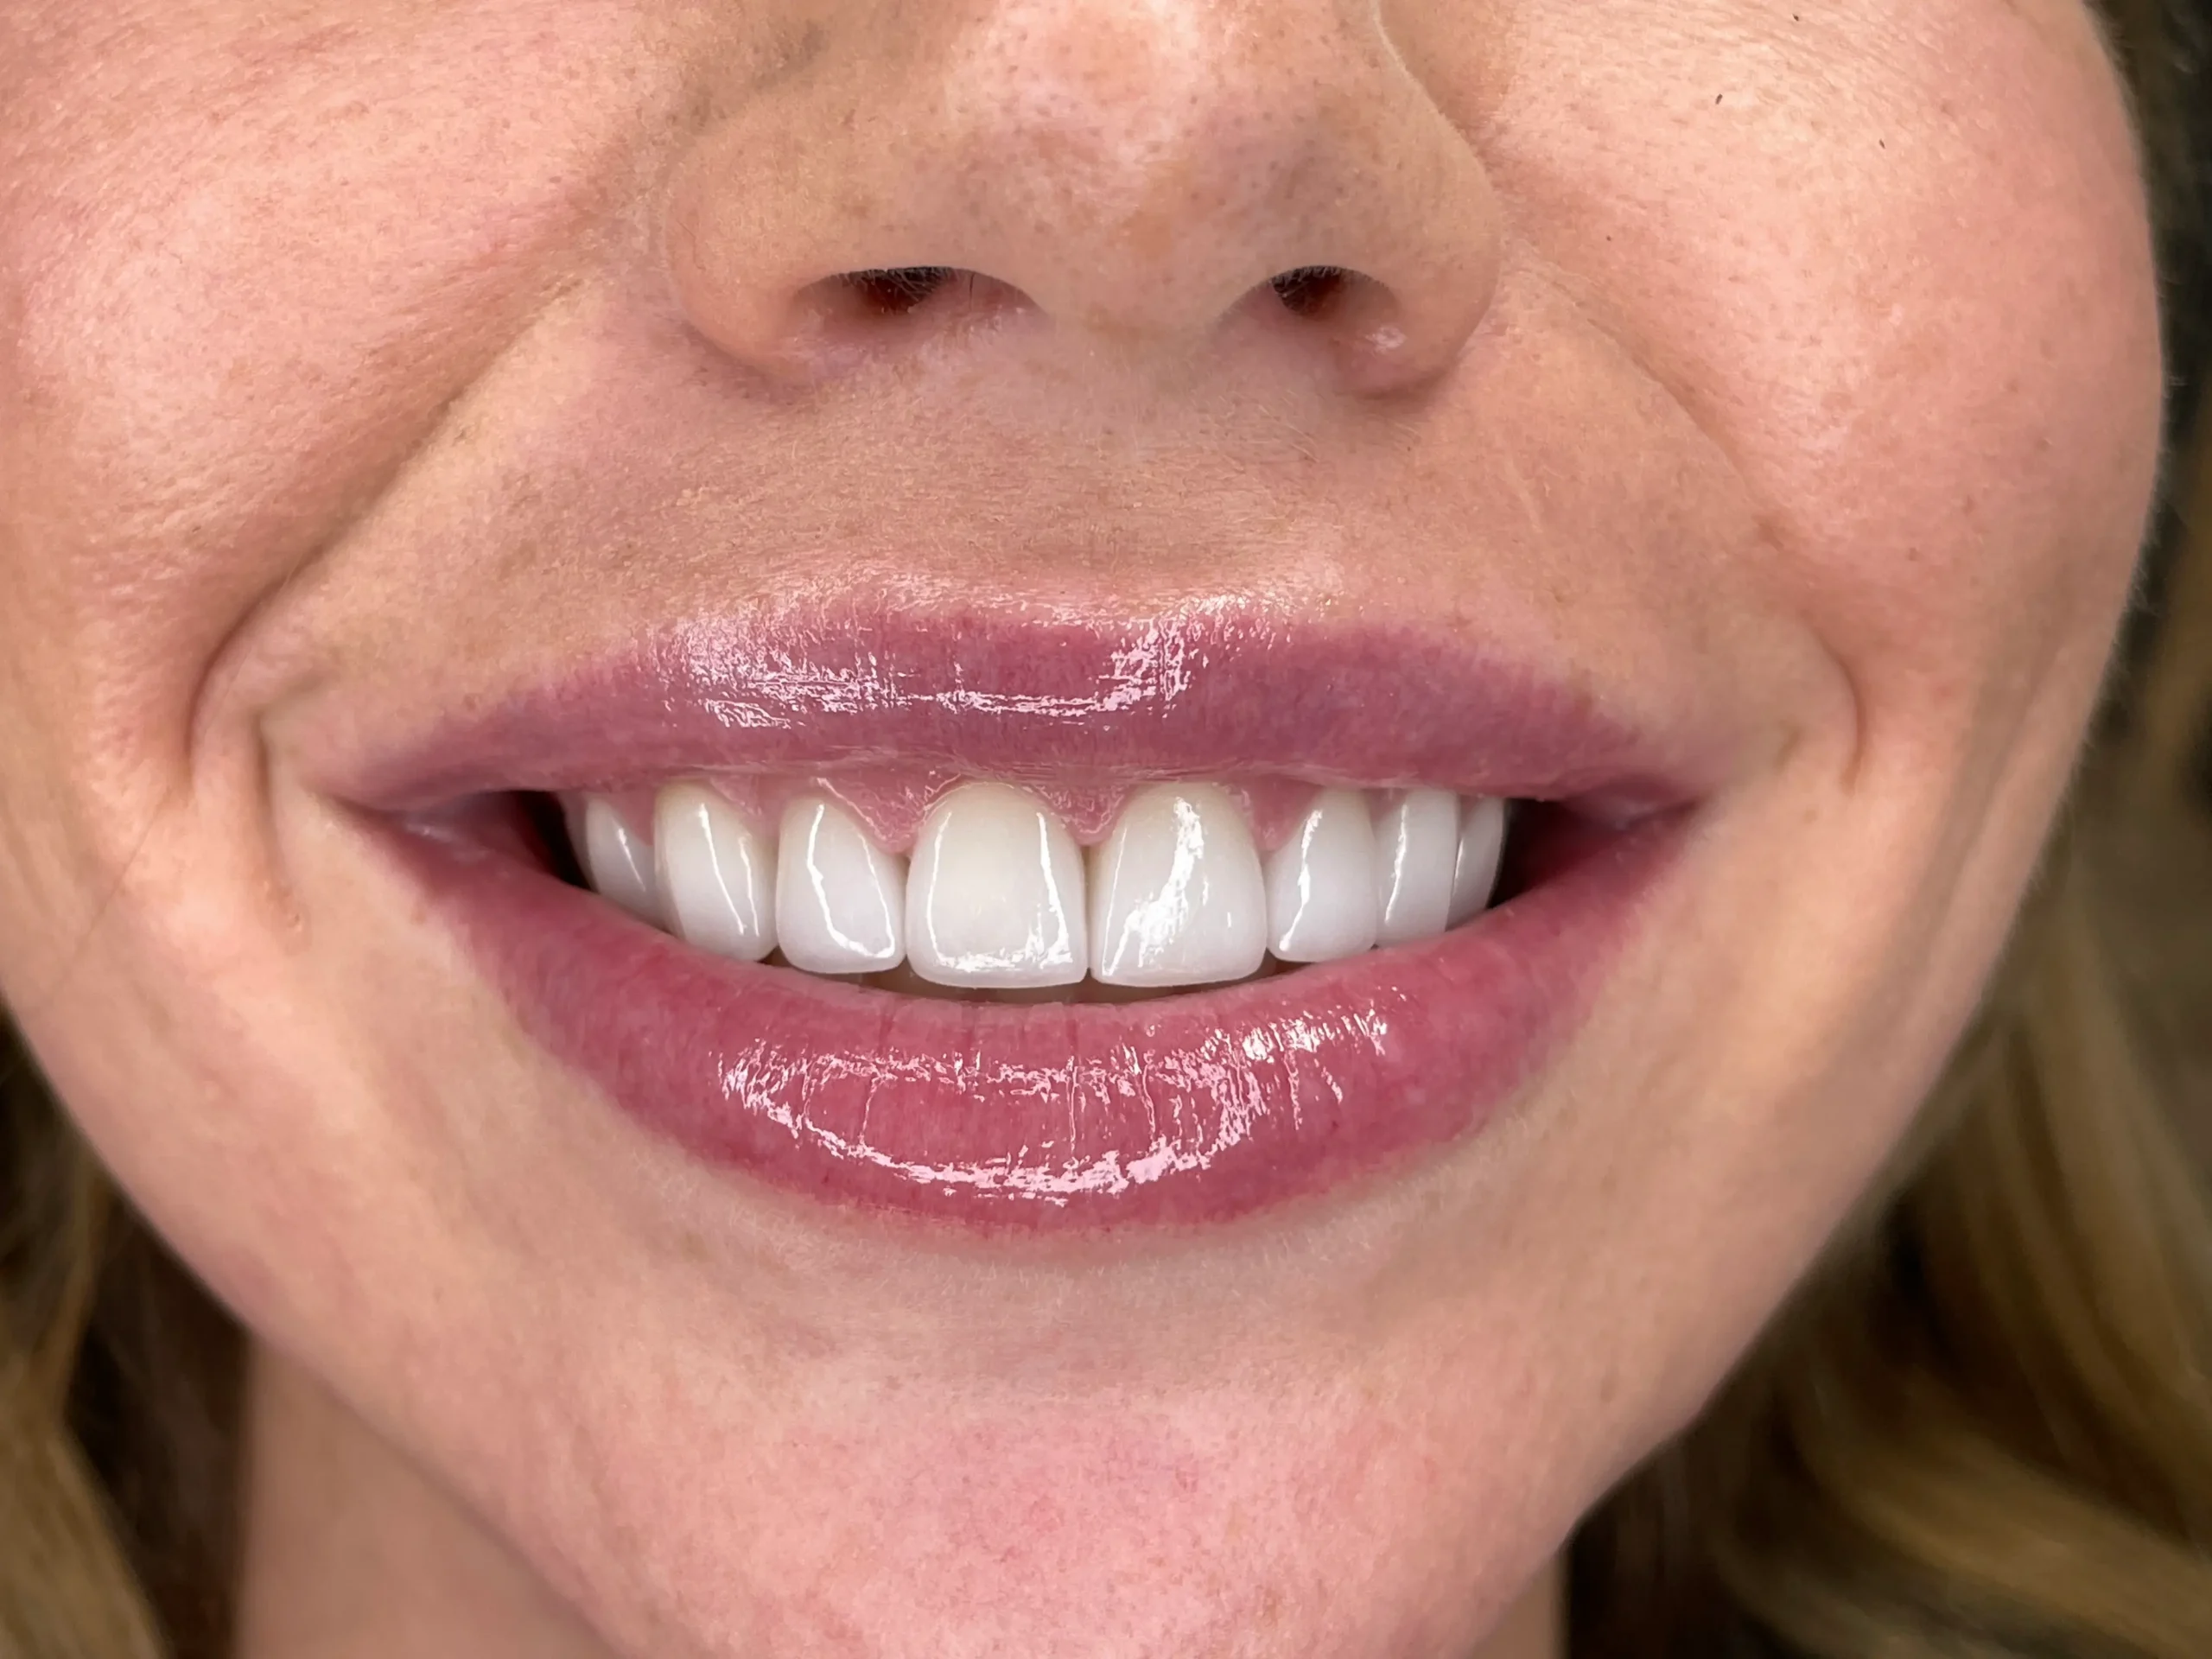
<point x="618" y="861"/>
<point x="1482" y="839"/>
<point x="995" y="896"/>
<point x="841" y="900"/>
<point x="1321" y="882"/>
<point x="717" y="875"/>
<point x="1416" y="847"/>
<point x="1176" y="894"/>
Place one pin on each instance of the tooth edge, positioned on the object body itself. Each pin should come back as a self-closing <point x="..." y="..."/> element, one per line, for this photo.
<point x="617" y="861"/>
<point x="1057" y="945"/>
<point x="1236" y="890"/>
<point x="692" y="822"/>
<point x="811" y="930"/>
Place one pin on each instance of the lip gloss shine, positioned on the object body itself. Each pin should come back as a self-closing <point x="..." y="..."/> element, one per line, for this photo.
<point x="1192" y="1108"/>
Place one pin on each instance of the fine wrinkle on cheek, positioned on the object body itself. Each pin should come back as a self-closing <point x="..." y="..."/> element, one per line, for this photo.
<point x="234" y="341"/>
<point x="1884" y="345"/>
<point x="66" y="867"/>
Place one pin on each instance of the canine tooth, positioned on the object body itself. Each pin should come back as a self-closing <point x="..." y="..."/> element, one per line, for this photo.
<point x="1416" y="849"/>
<point x="1474" y="872"/>
<point x="618" y="861"/>
<point x="994" y="893"/>
<point x="717" y="873"/>
<point x="841" y="900"/>
<point x="1176" y="893"/>
<point x="1321" y="882"/>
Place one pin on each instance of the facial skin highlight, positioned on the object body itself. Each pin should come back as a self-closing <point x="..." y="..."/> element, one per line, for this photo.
<point x="1787" y="378"/>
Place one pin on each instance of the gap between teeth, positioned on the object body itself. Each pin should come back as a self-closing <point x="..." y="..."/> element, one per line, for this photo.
<point x="997" y="895"/>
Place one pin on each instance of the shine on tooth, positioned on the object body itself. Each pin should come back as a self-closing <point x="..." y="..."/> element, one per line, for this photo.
<point x="1416" y="852"/>
<point x="994" y="893"/>
<point x="617" y="861"/>
<point x="841" y="900"/>
<point x="1481" y="840"/>
<point x="717" y="873"/>
<point x="1321" y="882"/>
<point x="1177" y="897"/>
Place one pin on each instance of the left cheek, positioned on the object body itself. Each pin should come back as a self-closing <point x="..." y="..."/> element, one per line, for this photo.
<point x="1958" y="503"/>
<point x="1967" y="540"/>
<point x="1893" y="260"/>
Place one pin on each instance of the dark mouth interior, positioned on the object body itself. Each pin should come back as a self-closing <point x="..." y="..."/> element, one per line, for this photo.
<point x="1543" y="841"/>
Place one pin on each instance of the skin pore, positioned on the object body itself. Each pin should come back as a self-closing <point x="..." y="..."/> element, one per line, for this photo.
<point x="1785" y="381"/>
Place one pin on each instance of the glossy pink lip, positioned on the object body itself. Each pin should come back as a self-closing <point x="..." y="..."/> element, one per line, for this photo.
<point x="1206" y="695"/>
<point x="1193" y="1108"/>
<point x="1188" y="1108"/>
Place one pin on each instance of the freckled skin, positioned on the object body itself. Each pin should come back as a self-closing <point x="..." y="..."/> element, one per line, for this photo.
<point x="1792" y="372"/>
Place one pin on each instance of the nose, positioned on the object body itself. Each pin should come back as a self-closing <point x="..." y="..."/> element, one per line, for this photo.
<point x="1161" y="182"/>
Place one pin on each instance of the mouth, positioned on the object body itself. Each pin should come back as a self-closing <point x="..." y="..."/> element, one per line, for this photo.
<point x="1029" y="924"/>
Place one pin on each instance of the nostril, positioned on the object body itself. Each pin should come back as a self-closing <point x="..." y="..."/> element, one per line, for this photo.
<point x="894" y="291"/>
<point x="1310" y="290"/>
<point x="867" y="308"/>
<point x="1376" y="340"/>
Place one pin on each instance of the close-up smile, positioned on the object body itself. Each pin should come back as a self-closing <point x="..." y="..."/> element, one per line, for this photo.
<point x="1095" y="925"/>
<point x="1217" y="829"/>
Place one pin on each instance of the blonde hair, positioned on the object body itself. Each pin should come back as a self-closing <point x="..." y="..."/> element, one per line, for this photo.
<point x="1984" y="1425"/>
<point x="1982" y="1429"/>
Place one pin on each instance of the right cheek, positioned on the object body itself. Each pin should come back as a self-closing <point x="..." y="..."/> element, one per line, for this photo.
<point x="204" y="371"/>
<point x="146" y="976"/>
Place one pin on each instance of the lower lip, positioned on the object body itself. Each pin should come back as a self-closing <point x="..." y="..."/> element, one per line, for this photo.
<point x="1195" y="1108"/>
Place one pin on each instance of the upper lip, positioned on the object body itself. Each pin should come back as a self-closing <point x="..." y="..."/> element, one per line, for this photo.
<point x="1211" y="691"/>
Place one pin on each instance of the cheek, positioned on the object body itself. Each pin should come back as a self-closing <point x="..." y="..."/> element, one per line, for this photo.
<point x="1893" y="260"/>
<point x="247" y="272"/>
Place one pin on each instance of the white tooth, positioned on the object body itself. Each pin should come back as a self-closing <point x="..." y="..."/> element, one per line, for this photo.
<point x="994" y="893"/>
<point x="1474" y="873"/>
<point x="1416" y="849"/>
<point x="618" y="861"/>
<point x="717" y="874"/>
<point x="1176" y="894"/>
<point x="1321" y="882"/>
<point x="840" y="899"/>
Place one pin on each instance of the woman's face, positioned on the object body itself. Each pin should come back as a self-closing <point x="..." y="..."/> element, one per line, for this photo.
<point x="1735" y="426"/>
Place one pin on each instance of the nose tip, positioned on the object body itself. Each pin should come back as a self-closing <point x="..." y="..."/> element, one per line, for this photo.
<point x="1131" y="183"/>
